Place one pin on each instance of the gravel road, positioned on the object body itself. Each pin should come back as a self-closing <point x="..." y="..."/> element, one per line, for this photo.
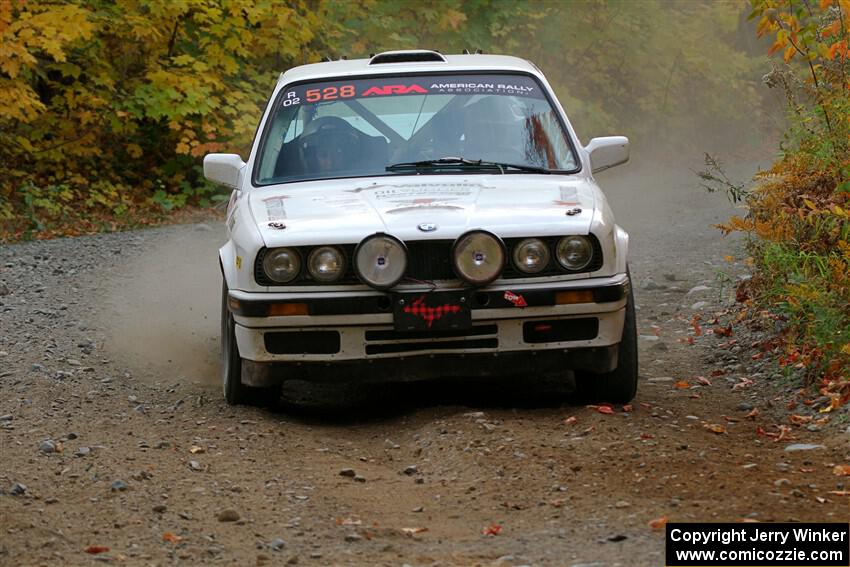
<point x="114" y="437"/>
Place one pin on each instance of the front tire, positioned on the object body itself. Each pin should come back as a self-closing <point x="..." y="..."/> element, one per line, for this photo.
<point x="620" y="385"/>
<point x="235" y="392"/>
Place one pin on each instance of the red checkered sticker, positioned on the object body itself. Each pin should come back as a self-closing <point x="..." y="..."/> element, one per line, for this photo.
<point x="430" y="314"/>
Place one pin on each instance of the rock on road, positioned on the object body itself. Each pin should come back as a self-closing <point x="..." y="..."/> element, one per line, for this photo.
<point x="116" y="445"/>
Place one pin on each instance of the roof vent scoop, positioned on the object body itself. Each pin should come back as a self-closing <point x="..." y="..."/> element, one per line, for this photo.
<point x="408" y="56"/>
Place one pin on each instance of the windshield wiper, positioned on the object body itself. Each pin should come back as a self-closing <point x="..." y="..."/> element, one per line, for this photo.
<point x="463" y="162"/>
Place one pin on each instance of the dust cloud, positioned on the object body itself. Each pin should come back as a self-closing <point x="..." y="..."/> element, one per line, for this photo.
<point x="161" y="315"/>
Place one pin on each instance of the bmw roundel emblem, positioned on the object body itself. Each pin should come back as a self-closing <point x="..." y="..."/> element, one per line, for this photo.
<point x="427" y="227"/>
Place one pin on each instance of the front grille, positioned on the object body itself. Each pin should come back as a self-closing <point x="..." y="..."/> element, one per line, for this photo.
<point x="476" y="337"/>
<point x="398" y="348"/>
<point x="429" y="260"/>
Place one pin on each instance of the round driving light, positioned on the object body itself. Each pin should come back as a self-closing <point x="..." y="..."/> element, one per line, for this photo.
<point x="282" y="265"/>
<point x="531" y="256"/>
<point x="574" y="252"/>
<point x="478" y="257"/>
<point x="380" y="261"/>
<point x="326" y="264"/>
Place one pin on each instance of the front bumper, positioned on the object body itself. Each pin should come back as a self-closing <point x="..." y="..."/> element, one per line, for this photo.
<point x="358" y="325"/>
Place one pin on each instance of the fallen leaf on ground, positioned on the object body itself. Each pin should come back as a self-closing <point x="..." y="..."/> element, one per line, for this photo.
<point x="492" y="529"/>
<point x="658" y="523"/>
<point x="703" y="380"/>
<point x="170" y="537"/>
<point x="627" y="408"/>
<point x="842" y="470"/>
<point x="411" y="531"/>
<point x="695" y="325"/>
<point x="754" y="413"/>
<point x="799" y="419"/>
<point x="681" y="385"/>
<point x="723" y="331"/>
<point x="570" y="420"/>
<point x="196" y="450"/>
<point x="715" y="428"/>
<point x="833" y="404"/>
<point x="730" y="419"/>
<point x="839" y="492"/>
<point x="647" y="436"/>
<point x="608" y="410"/>
<point x="95" y="549"/>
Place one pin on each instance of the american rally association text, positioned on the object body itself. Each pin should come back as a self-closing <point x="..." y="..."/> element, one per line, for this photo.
<point x="727" y="536"/>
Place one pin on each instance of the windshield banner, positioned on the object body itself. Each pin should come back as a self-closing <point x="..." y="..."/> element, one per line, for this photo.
<point x="507" y="85"/>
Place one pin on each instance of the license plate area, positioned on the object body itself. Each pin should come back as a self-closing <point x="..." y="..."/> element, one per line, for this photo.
<point x="431" y="311"/>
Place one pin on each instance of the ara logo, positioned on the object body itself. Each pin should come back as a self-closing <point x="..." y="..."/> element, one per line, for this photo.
<point x="394" y="89"/>
<point x="427" y="227"/>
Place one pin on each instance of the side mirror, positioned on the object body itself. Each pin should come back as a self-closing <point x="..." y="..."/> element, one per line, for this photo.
<point x="223" y="168"/>
<point x="607" y="152"/>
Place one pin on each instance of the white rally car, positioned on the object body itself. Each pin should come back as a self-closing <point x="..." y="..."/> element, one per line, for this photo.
<point x="416" y="215"/>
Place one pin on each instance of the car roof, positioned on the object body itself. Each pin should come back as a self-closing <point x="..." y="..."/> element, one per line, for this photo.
<point x="408" y="61"/>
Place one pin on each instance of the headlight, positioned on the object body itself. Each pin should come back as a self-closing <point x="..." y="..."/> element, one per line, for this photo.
<point x="282" y="265"/>
<point x="531" y="255"/>
<point x="326" y="264"/>
<point x="574" y="252"/>
<point x="380" y="261"/>
<point x="478" y="257"/>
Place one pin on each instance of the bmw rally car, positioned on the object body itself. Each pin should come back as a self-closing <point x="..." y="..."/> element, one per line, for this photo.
<point x="415" y="215"/>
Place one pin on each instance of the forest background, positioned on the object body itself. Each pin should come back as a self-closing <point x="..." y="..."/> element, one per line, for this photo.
<point x="108" y="108"/>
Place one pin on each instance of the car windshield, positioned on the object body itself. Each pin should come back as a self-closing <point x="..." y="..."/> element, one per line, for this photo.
<point x="389" y="125"/>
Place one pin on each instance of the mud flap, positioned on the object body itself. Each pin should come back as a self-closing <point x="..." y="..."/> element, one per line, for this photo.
<point x="258" y="374"/>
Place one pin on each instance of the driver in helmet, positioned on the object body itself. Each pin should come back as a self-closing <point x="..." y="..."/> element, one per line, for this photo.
<point x="327" y="145"/>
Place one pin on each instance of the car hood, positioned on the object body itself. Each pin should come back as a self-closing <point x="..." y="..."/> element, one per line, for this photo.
<point x="422" y="208"/>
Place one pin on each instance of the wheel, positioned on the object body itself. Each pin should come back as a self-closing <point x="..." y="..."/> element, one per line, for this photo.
<point x="235" y="392"/>
<point x="620" y="385"/>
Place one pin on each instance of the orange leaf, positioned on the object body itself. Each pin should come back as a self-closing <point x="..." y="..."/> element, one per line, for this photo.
<point x="570" y="420"/>
<point x="95" y="549"/>
<point x="715" y="428"/>
<point x="170" y="537"/>
<point x="608" y="410"/>
<point x="799" y="419"/>
<point x="842" y="470"/>
<point x="754" y="413"/>
<point x="695" y="324"/>
<point x="492" y="529"/>
<point x="658" y="523"/>
<point x="789" y="53"/>
<point x="682" y="385"/>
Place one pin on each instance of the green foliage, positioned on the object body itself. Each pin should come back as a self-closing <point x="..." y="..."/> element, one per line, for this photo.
<point x="115" y="102"/>
<point x="799" y="213"/>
